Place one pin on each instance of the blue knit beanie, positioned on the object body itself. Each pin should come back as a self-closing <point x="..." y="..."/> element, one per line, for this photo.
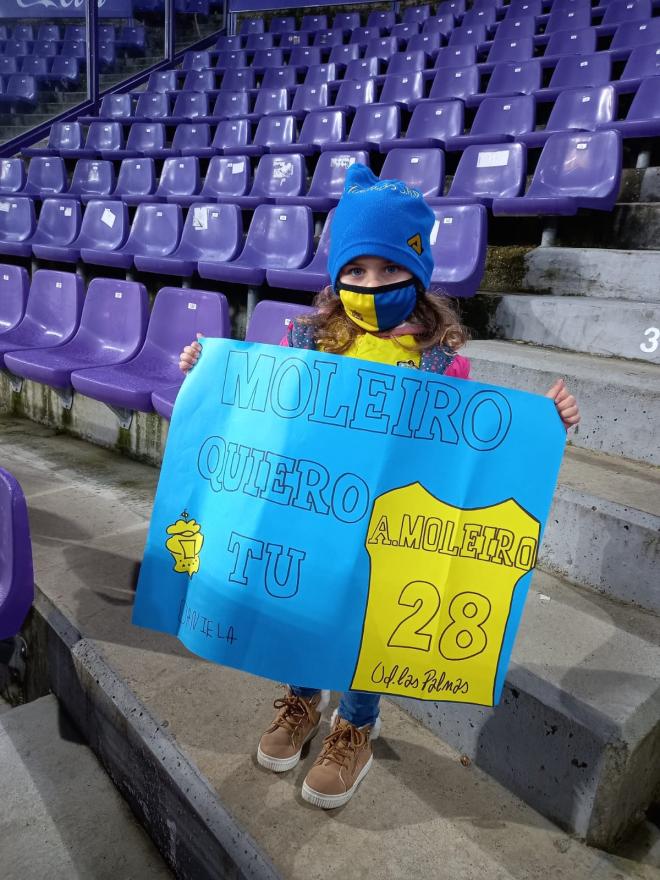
<point x="381" y="218"/>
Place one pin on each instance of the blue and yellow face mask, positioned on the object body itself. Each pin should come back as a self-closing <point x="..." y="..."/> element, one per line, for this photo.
<point x="379" y="308"/>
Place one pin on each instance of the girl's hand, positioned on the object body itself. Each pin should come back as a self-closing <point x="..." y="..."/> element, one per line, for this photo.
<point x="190" y="355"/>
<point x="566" y="404"/>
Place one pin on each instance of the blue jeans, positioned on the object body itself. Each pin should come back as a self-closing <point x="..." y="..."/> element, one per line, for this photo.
<point x="356" y="707"/>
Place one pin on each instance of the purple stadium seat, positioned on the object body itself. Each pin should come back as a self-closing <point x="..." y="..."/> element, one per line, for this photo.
<point x="64" y="73"/>
<point x="643" y="62"/>
<point x="417" y="14"/>
<point x="46" y="176"/>
<point x="49" y="32"/>
<point x="308" y="98"/>
<point x="574" y="171"/>
<point x="189" y="106"/>
<point x="8" y="65"/>
<point x="579" y="42"/>
<point x="515" y="28"/>
<point x="353" y="93"/>
<point x="455" y="83"/>
<point x="176" y="317"/>
<point x="428" y="43"/>
<point x="525" y="8"/>
<point x="363" y="35"/>
<point x="439" y="24"/>
<point x="382" y="47"/>
<point x="133" y="39"/>
<point x="113" y="107"/>
<point x="162" y="81"/>
<point x="196" y="60"/>
<point x="23" y="32"/>
<point x="362" y="68"/>
<point x="313" y="22"/>
<point x="314" y="276"/>
<point x="458" y="245"/>
<point x="327" y="184"/>
<point x="227" y="177"/>
<point x="191" y="139"/>
<point x="12" y="176"/>
<point x="381" y="19"/>
<point x="643" y="118"/>
<point x="259" y="41"/>
<point x="632" y="34"/>
<point x="265" y="58"/>
<point x="294" y="39"/>
<point x="252" y="26"/>
<point x="231" y="60"/>
<point x="239" y="79"/>
<point x="327" y="38"/>
<point x="74" y="49"/>
<point x="16" y="48"/>
<point x="372" y="124"/>
<point x="36" y="67"/>
<point x="405" y="31"/>
<point x="20" y="96"/>
<point x="456" y="56"/>
<point x="45" y="48"/>
<point x="230" y="135"/>
<point x="320" y="73"/>
<point x="520" y="49"/>
<point x="269" y="101"/>
<point x="273" y="132"/>
<point x="479" y="16"/>
<point x="152" y="105"/>
<point x="344" y="54"/>
<point x="453" y="7"/>
<point x="104" y="227"/>
<point x="568" y="19"/>
<point x="155" y="232"/>
<point x="111" y="330"/>
<point x="346" y="20"/>
<point x="275" y="176"/>
<point x="423" y="170"/>
<point x="107" y="57"/>
<point x="467" y="36"/>
<point x="279" y="237"/>
<point x="498" y="120"/>
<point x="405" y="90"/>
<point x="230" y="105"/>
<point x="304" y="57"/>
<point x="576" y="110"/>
<point x="58" y="226"/>
<point x="199" y="81"/>
<point x="75" y="32"/>
<point x="107" y="33"/>
<point x="402" y="63"/>
<point x="320" y="128"/>
<point x="281" y="24"/>
<point x="431" y="124"/>
<point x="91" y="178"/>
<point x="619" y="11"/>
<point x="16" y="573"/>
<point x="229" y="43"/>
<point x="485" y="173"/>
<point x="511" y="78"/>
<point x="577" y="71"/>
<point x="14" y="287"/>
<point x="51" y="314"/>
<point x="102" y="137"/>
<point x="144" y="139"/>
<point x="211" y="232"/>
<point x="279" y="78"/>
<point x="178" y="179"/>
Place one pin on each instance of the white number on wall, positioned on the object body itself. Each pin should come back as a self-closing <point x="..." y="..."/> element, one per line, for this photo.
<point x="653" y="336"/>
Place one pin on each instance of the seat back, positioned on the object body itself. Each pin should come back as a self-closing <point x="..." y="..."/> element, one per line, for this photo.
<point x="424" y="170"/>
<point x="568" y="19"/>
<point x="279" y="237"/>
<point x="436" y="119"/>
<point x="279" y="176"/>
<point x="383" y="19"/>
<point x="583" y="108"/>
<point x="59" y="222"/>
<point x="281" y="24"/>
<point x="231" y="59"/>
<point x="294" y="40"/>
<point x="152" y="105"/>
<point x="259" y="41"/>
<point x="304" y="56"/>
<point x="515" y="77"/>
<point x="116" y="106"/>
<point x="515" y="28"/>
<point x="199" y="81"/>
<point x="231" y="104"/>
<point x="309" y="98"/>
<point x="582" y="70"/>
<point x="93" y="177"/>
<point x="73" y="49"/>
<point x="346" y="20"/>
<point x="192" y="105"/>
<point x="196" y="60"/>
<point x="382" y="47"/>
<point x="330" y="172"/>
<point x="581" y="164"/>
<point x="417" y="14"/>
<point x="114" y="316"/>
<point x="405" y="31"/>
<point x="146" y="136"/>
<point x="328" y="37"/>
<point x="646" y="103"/>
<point x="16" y="573"/>
<point x="343" y="54"/>
<point x="17" y="219"/>
<point x="355" y="92"/>
<point x="470" y="35"/>
<point x="456" y="56"/>
<point x="323" y="127"/>
<point x="644" y="61"/>
<point x="104" y="224"/>
<point x="252" y="26"/>
<point x="512" y="115"/>
<point x="54" y="304"/>
<point x="156" y="230"/>
<point x="46" y="174"/>
<point x="313" y="22"/>
<point x="16" y="48"/>
<point x="490" y="172"/>
<point x="619" y="11"/>
<point x="48" y="32"/>
<point x="275" y="131"/>
<point x="427" y="43"/>
<point x="104" y="136"/>
<point x="264" y="58"/>
<point x="162" y="81"/>
<point x="362" y="68"/>
<point x="179" y="177"/>
<point x="271" y="101"/>
<point x="14" y="287"/>
<point x="66" y="69"/>
<point x="573" y="42"/>
<point x="362" y="35"/>
<point x="439" y="24"/>
<point x="23" y="88"/>
<point x="520" y="49"/>
<point x="227" y="176"/>
<point x="232" y="133"/>
<point x="479" y="16"/>
<point x="238" y="79"/>
<point x="375" y="123"/>
<point x="228" y="43"/>
<point x="279" y="78"/>
<point x="12" y="175"/>
<point x="34" y="66"/>
<point x="189" y="136"/>
<point x="458" y="245"/>
<point x="212" y="232"/>
<point x="320" y="73"/>
<point x="8" y="65"/>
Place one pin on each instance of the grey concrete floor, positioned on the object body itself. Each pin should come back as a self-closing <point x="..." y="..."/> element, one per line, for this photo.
<point x="419" y="813"/>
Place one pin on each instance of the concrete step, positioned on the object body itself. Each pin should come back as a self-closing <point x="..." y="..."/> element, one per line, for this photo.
<point x="603" y="531"/>
<point x="179" y="734"/>
<point x="607" y="327"/>
<point x="631" y="225"/>
<point x="60" y="815"/>
<point x="597" y="272"/>
<point x="577" y="734"/>
<point x="619" y="400"/>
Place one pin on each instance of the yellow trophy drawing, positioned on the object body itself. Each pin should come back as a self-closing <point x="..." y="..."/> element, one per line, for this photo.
<point x="185" y="544"/>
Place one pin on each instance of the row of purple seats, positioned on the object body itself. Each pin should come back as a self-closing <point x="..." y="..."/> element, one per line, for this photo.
<point x="104" y="343"/>
<point x="48" y="72"/>
<point x="16" y="571"/>
<point x="72" y="32"/>
<point x="20" y="95"/>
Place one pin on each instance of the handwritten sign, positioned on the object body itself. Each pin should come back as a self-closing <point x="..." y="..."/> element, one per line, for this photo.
<point x="336" y="523"/>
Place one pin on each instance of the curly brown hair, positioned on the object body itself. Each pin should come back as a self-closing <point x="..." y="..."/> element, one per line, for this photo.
<point x="335" y="332"/>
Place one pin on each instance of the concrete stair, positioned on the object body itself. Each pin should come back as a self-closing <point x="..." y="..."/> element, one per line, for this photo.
<point x="60" y="814"/>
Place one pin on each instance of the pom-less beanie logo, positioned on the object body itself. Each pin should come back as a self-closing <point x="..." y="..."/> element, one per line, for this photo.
<point x="415" y="242"/>
<point x="385" y="186"/>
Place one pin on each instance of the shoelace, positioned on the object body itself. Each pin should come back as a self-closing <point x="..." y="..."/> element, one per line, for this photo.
<point x="294" y="711"/>
<point x="340" y="743"/>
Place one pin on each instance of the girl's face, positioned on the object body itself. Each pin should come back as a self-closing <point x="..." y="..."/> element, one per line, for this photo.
<point x="373" y="272"/>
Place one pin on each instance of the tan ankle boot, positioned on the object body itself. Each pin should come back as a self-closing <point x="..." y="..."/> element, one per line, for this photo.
<point x="296" y="722"/>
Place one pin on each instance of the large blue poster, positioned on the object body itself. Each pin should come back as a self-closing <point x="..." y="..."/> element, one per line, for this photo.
<point x="336" y="523"/>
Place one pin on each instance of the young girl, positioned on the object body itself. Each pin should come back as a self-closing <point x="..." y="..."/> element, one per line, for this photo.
<point x="376" y="309"/>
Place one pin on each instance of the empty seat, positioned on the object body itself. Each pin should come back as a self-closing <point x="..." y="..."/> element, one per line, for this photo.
<point x="189" y="106"/>
<point x="196" y="61"/>
<point x="35" y="66"/>
<point x="455" y="83"/>
<point x="279" y="237"/>
<point x="273" y="133"/>
<point x="227" y="177"/>
<point x="231" y="60"/>
<point x="481" y="16"/>
<point x="113" y="107"/>
<point x="382" y="47"/>
<point x="406" y="62"/>
<point x="313" y="22"/>
<point x="211" y="232"/>
<point x="405" y="31"/>
<point x="20" y="95"/>
<point x="239" y="79"/>
<point x="320" y="128"/>
<point x="294" y="39"/>
<point x="417" y="14"/>
<point x="581" y="170"/>
<point x="428" y="43"/>
<point x="191" y="139"/>
<point x="320" y="73"/>
<point x="178" y="179"/>
<point x="405" y="90"/>
<point x="12" y="176"/>
<point x="576" y="109"/>
<point x="423" y="170"/>
<point x="346" y="20"/>
<point x="520" y="49"/>
<point x="75" y="32"/>
<point x="279" y="78"/>
<point x="17" y="225"/>
<point x="133" y="39"/>
<point x="276" y="176"/>
<point x="580" y="42"/>
<point x="91" y="178"/>
<point x="155" y="232"/>
<point x="252" y="26"/>
<point x="152" y="105"/>
<point x="104" y="227"/>
<point x="643" y="117"/>
<point x="16" y="573"/>
<point x="176" y="317"/>
<point x="144" y="139"/>
<point x="162" y="81"/>
<point x="439" y="24"/>
<point x="577" y="71"/>
<point x="383" y="19"/>
<point x="643" y="62"/>
<point x="14" y="287"/>
<point x="112" y="328"/>
<point x="344" y="54"/>
<point x="46" y="176"/>
<point x="328" y="37"/>
<point x="485" y="173"/>
<point x="498" y="120"/>
<point x="363" y="35"/>
<point x="265" y="58"/>
<point x="468" y="36"/>
<point x="269" y="101"/>
<point x="308" y="98"/>
<point x="619" y="11"/>
<point x="634" y="33"/>
<point x="568" y="19"/>
<point x="48" y="32"/>
<point x="456" y="56"/>
<point x="101" y="137"/>
<point x="431" y="124"/>
<point x="58" y="226"/>
<point x="304" y="57"/>
<point x="514" y="28"/>
<point x="231" y="134"/>
<point x="259" y="41"/>
<point x="51" y="314"/>
<point x="227" y="43"/>
<point x="353" y="93"/>
<point x="511" y="78"/>
<point x="199" y="81"/>
<point x="281" y="24"/>
<point x="458" y="245"/>
<point x="327" y="183"/>
<point x="314" y="276"/>
<point x="372" y="124"/>
<point x="8" y="65"/>
<point x="230" y="105"/>
<point x="362" y="68"/>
